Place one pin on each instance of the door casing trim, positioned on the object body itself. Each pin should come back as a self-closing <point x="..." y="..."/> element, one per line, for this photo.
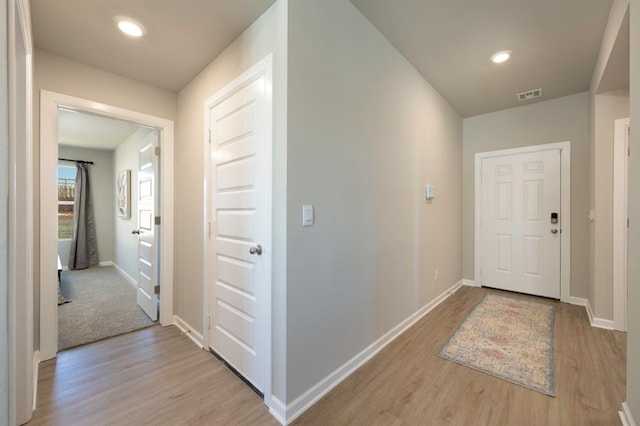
<point x="565" y="208"/>
<point x="49" y="104"/>
<point x="620" y="215"/>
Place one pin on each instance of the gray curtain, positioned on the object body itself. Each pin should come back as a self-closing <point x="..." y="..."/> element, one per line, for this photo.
<point x="84" y="247"/>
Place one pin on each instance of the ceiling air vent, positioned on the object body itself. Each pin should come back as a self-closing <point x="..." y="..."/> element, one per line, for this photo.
<point x="531" y="94"/>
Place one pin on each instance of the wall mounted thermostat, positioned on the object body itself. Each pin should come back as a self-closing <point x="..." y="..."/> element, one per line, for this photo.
<point x="429" y="192"/>
<point x="307" y="215"/>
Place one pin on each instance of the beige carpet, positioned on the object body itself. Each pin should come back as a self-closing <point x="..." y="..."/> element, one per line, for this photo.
<point x="103" y="304"/>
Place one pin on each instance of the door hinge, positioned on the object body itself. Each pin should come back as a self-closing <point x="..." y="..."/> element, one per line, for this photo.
<point x="627" y="222"/>
<point x="156" y="289"/>
<point x="156" y="150"/>
<point x="208" y="322"/>
<point x="157" y="220"/>
<point x="209" y="231"/>
<point x="209" y="135"/>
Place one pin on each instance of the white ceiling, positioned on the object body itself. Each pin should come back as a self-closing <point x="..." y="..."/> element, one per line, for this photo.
<point x="85" y="130"/>
<point x="555" y="43"/>
<point x="183" y="36"/>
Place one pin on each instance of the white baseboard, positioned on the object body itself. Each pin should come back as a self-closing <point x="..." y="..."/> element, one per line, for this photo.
<point x="625" y="416"/>
<point x="126" y="276"/>
<point x="277" y="409"/>
<point x="470" y="283"/>
<point x="36" y="369"/>
<point x="189" y="331"/>
<point x="597" y="322"/>
<point x="311" y="396"/>
<point x="576" y="301"/>
<point x="106" y="263"/>
<point x="594" y="321"/>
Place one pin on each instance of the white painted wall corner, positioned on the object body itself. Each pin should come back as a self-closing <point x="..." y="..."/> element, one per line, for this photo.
<point x="189" y="331"/>
<point x="320" y="389"/>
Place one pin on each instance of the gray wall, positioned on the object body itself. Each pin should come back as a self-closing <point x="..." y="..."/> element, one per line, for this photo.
<point x="57" y="74"/>
<point x="633" y="335"/>
<point x="366" y="134"/>
<point x="102" y="183"/>
<point x="557" y="120"/>
<point x="127" y="156"/>
<point x="266" y="35"/>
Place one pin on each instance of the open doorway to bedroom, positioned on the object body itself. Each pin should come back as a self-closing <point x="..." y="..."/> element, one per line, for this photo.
<point x="99" y="226"/>
<point x="154" y="221"/>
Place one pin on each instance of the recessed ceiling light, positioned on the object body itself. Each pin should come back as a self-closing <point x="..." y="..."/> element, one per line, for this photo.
<point x="500" y="57"/>
<point x="129" y="26"/>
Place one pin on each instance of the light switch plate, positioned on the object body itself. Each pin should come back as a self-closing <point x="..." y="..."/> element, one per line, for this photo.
<point x="429" y="192"/>
<point x="307" y="215"/>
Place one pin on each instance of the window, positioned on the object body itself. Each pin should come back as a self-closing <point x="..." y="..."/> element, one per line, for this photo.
<point x="66" y="195"/>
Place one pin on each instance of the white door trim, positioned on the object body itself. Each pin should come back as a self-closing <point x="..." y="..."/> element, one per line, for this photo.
<point x="49" y="103"/>
<point x="565" y="208"/>
<point x="264" y="66"/>
<point x="20" y="266"/>
<point x="620" y="156"/>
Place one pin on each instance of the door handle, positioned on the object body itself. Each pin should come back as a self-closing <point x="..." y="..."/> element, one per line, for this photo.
<point x="136" y="232"/>
<point x="554" y="231"/>
<point x="256" y="250"/>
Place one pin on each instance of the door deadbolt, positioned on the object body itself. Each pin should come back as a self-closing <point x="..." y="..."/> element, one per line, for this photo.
<point x="256" y="250"/>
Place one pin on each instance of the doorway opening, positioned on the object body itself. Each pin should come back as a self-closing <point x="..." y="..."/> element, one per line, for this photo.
<point x="155" y="131"/>
<point x="101" y="273"/>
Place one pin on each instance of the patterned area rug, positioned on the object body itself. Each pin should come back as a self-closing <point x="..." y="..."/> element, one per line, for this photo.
<point x="507" y="338"/>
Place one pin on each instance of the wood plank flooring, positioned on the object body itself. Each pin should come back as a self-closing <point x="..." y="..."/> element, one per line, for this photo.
<point x="156" y="376"/>
<point x="407" y="384"/>
<point x="153" y="376"/>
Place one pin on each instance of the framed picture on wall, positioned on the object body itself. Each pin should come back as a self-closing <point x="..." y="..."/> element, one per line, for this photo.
<point x="123" y="198"/>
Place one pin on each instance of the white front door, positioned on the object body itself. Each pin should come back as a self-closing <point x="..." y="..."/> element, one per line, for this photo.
<point x="240" y="220"/>
<point x="521" y="223"/>
<point x="147" y="296"/>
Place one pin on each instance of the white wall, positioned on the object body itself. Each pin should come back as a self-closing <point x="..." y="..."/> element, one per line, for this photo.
<point x="127" y="157"/>
<point x="365" y="134"/>
<point x="102" y="195"/>
<point x="266" y="35"/>
<point x="633" y="334"/>
<point x="62" y="75"/>
<point x="556" y="120"/>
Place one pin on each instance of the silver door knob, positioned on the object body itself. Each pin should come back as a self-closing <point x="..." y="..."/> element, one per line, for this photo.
<point x="136" y="232"/>
<point x="554" y="231"/>
<point x="256" y="250"/>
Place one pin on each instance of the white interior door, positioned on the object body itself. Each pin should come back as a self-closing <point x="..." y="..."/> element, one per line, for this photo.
<point x="240" y="219"/>
<point x="147" y="296"/>
<point x="520" y="241"/>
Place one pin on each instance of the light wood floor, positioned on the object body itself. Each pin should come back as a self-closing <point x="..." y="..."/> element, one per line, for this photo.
<point x="407" y="384"/>
<point x="155" y="376"/>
